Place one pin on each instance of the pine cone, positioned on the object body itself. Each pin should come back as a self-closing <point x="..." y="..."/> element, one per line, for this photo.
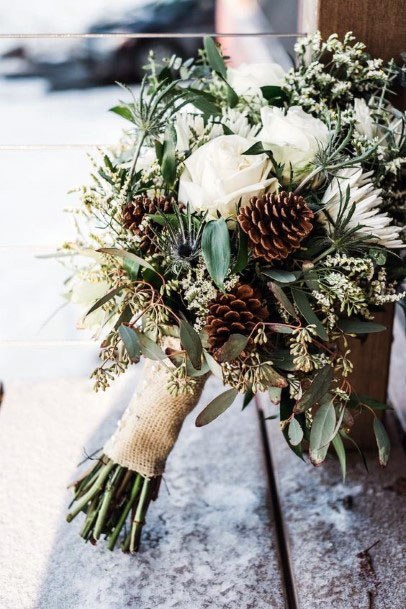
<point x="134" y="213"/>
<point x="276" y="224"/>
<point x="236" y="312"/>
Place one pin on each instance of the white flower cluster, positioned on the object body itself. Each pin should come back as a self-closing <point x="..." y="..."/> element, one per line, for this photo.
<point x="318" y="84"/>
<point x="381" y="292"/>
<point x="199" y="290"/>
<point x="354" y="266"/>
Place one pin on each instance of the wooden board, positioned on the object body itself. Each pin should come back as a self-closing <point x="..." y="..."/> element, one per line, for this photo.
<point x="345" y="542"/>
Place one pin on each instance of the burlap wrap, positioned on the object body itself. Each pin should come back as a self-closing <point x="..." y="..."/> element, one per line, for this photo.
<point x="151" y="424"/>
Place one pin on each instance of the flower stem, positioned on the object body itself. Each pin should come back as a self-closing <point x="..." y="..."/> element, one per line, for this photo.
<point x="112" y="540"/>
<point x="105" y="504"/>
<point x="97" y="486"/>
<point x="139" y="518"/>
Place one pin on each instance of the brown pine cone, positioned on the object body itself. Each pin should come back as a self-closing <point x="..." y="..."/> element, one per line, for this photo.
<point x="236" y="312"/>
<point x="276" y="224"/>
<point x="134" y="213"/>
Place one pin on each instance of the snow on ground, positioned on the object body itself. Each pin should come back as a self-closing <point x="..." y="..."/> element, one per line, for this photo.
<point x="208" y="542"/>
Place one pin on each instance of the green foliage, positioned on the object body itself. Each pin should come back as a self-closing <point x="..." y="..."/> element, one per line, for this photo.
<point x="318" y="389"/>
<point x="216" y="250"/>
<point x="216" y="407"/>
<point x="322" y="431"/>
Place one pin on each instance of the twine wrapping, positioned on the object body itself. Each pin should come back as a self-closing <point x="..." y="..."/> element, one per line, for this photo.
<point x="149" y="428"/>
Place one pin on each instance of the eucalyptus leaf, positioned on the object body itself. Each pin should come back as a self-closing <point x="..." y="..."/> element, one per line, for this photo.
<point x="304" y="306"/>
<point x="248" y="397"/>
<point x="322" y="429"/>
<point x="232" y="348"/>
<point x="280" y="328"/>
<point x="295" y="432"/>
<point x="242" y="254"/>
<point x="382" y="441"/>
<point x="281" y="275"/>
<point x="284" y="360"/>
<point x="216" y="407"/>
<point x="286" y="409"/>
<point x="213" y="365"/>
<point x="127" y="256"/>
<point x="214" y="58"/>
<point x="340" y="450"/>
<point x="150" y="349"/>
<point x="191" y="342"/>
<point x="319" y="387"/>
<point x="131" y="342"/>
<point x="283" y="299"/>
<point x="103" y="300"/>
<point x="131" y="268"/>
<point x="372" y="403"/>
<point x="356" y="326"/>
<point x="216" y="250"/>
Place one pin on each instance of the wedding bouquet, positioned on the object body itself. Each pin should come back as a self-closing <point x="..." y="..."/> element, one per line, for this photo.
<point x="247" y="224"/>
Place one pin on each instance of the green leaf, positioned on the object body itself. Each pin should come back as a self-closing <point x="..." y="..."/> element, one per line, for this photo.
<point x="213" y="365"/>
<point x="280" y="328"/>
<point x="131" y="268"/>
<point x="103" y="300"/>
<point x="196" y="373"/>
<point x="131" y="342"/>
<point x="149" y="348"/>
<point x="355" y="326"/>
<point x="216" y="407"/>
<point x="304" y="306"/>
<point x="249" y="395"/>
<point x="340" y="450"/>
<point x="378" y="256"/>
<point x="216" y="250"/>
<point x="295" y="432"/>
<point x="280" y="275"/>
<point x="242" y="255"/>
<point x="168" y="164"/>
<point x="319" y="387"/>
<point x="232" y="96"/>
<point x="191" y="342"/>
<point x="382" y="441"/>
<point x="127" y="256"/>
<point x="274" y="94"/>
<point x="284" y="360"/>
<point x="375" y="404"/>
<point x="286" y="409"/>
<point x="322" y="429"/>
<point x="256" y="148"/>
<point x="214" y="58"/>
<point x="232" y="348"/>
<point x="353" y="442"/>
<point x="283" y="299"/>
<point x="124" y="112"/>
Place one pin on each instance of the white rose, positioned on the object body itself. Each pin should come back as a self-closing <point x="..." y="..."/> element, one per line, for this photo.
<point x="294" y="138"/>
<point x="247" y="79"/>
<point x="363" y="119"/>
<point x="217" y="176"/>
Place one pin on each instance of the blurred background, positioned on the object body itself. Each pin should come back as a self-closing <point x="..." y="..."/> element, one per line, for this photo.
<point x="55" y="93"/>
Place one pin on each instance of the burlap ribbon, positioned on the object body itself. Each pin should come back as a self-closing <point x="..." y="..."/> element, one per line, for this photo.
<point x="151" y="424"/>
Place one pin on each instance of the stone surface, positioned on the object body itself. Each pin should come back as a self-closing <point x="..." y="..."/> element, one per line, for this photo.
<point x="328" y="524"/>
<point x="208" y="542"/>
